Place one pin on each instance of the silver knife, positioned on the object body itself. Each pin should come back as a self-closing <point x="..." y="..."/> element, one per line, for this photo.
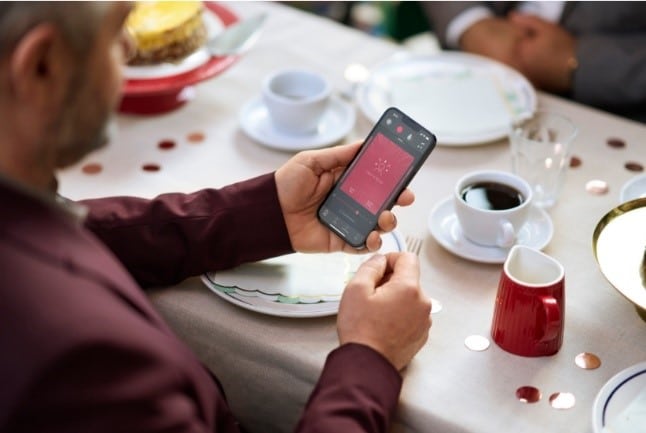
<point x="237" y="38"/>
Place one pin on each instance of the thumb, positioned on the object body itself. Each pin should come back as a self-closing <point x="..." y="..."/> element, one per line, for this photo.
<point x="369" y="274"/>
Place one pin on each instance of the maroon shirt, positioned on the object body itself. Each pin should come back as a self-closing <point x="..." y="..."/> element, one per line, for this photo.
<point x="83" y="350"/>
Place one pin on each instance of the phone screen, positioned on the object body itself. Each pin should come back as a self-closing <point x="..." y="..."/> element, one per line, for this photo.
<point x="377" y="173"/>
<point x="391" y="155"/>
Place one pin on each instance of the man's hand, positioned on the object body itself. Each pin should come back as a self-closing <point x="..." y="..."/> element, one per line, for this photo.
<point x="302" y="184"/>
<point x="547" y="53"/>
<point x="384" y="307"/>
<point x="493" y="37"/>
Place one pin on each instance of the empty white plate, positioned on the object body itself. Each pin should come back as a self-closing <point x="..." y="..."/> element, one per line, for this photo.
<point x="464" y="99"/>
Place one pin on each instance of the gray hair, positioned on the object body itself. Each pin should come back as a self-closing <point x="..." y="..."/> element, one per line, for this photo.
<point x="78" y="21"/>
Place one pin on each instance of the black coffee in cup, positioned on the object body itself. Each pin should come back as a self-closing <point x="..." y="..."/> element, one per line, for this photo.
<point x="492" y="196"/>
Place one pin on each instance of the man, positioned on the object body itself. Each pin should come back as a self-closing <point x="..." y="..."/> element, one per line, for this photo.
<point x="592" y="52"/>
<point x="82" y="348"/>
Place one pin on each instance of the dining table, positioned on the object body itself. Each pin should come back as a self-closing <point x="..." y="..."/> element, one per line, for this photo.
<point x="268" y="364"/>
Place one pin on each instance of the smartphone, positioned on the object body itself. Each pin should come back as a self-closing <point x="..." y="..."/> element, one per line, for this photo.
<point x="388" y="159"/>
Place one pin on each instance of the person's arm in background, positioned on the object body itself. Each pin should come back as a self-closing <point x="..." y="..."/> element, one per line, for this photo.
<point x="603" y="69"/>
<point x="546" y="55"/>
<point x="441" y="14"/>
<point x="474" y="27"/>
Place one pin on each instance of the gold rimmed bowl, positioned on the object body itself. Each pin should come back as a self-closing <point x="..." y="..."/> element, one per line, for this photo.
<point x="619" y="244"/>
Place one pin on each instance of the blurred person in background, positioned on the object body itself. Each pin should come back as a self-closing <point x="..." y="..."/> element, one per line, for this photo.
<point x="591" y="52"/>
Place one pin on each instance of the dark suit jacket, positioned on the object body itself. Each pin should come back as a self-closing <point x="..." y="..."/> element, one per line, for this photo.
<point x="82" y="349"/>
<point x="610" y="49"/>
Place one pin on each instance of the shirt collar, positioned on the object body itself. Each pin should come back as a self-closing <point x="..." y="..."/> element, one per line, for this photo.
<point x="70" y="209"/>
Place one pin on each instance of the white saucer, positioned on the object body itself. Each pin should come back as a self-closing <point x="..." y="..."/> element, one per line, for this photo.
<point x="634" y="188"/>
<point x="337" y="121"/>
<point x="443" y="225"/>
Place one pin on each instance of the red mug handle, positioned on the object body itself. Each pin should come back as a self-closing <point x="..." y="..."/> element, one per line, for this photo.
<point x="552" y="313"/>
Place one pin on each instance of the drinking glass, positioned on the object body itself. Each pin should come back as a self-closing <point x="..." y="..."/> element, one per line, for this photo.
<point x="540" y="153"/>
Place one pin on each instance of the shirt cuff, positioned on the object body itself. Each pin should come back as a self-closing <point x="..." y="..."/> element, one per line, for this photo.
<point x="462" y="22"/>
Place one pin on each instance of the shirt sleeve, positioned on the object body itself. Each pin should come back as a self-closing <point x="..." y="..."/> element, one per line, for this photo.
<point x="173" y="236"/>
<point x="458" y="25"/>
<point x="357" y="392"/>
<point x="449" y="19"/>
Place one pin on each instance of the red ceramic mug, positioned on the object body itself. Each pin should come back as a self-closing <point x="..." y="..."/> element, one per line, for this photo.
<point x="530" y="303"/>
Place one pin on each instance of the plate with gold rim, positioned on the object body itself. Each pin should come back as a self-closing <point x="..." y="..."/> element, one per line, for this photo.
<point x="294" y="285"/>
<point x="465" y="99"/>
<point x="619" y="244"/>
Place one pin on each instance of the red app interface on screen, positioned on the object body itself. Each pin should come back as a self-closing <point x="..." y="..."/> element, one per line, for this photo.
<point x="377" y="173"/>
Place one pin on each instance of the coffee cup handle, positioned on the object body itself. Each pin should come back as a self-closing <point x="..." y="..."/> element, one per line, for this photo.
<point x="506" y="235"/>
<point x="552" y="313"/>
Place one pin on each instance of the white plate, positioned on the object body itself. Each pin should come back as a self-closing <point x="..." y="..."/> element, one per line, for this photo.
<point x="616" y="396"/>
<point x="445" y="228"/>
<point x="335" y="124"/>
<point x="294" y="285"/>
<point x="462" y="98"/>
<point x="143" y="72"/>
<point x="634" y="188"/>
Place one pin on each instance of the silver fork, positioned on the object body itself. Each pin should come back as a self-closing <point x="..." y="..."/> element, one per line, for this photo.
<point x="413" y="244"/>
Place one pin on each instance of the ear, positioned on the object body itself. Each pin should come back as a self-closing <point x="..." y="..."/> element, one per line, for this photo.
<point x="38" y="74"/>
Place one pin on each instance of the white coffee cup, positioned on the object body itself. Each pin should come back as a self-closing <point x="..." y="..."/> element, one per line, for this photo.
<point x="296" y="100"/>
<point x="492" y="206"/>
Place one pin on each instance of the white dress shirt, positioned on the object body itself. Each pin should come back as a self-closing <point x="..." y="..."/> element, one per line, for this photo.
<point x="548" y="10"/>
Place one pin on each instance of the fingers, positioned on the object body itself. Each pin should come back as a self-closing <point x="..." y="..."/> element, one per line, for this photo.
<point x="387" y="221"/>
<point x="384" y="307"/>
<point x="405" y="267"/>
<point x="369" y="274"/>
<point x="406" y="198"/>
<point x="373" y="241"/>
<point x="330" y="158"/>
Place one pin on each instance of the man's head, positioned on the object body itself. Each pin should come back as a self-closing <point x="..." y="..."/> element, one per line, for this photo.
<point x="60" y="79"/>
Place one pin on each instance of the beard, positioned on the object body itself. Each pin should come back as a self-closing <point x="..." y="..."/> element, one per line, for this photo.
<point x="84" y="125"/>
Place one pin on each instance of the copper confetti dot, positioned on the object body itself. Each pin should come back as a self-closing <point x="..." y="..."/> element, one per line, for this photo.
<point x="436" y="306"/>
<point x="166" y="144"/>
<point x="195" y="137"/>
<point x="634" y="166"/>
<point x="617" y="143"/>
<point x="587" y="361"/>
<point x="562" y="400"/>
<point x="151" y="167"/>
<point x="92" y="168"/>
<point x="596" y="187"/>
<point x="528" y="394"/>
<point x="575" y="161"/>
<point x="477" y="343"/>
